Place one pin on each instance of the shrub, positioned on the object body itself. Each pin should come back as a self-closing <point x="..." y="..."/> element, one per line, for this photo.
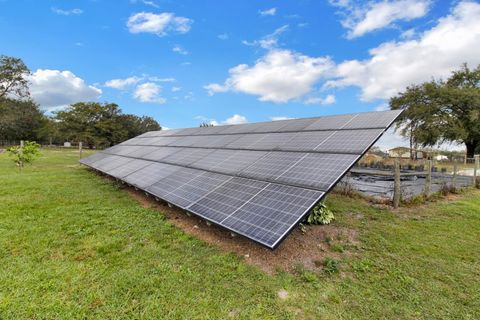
<point x="446" y="188"/>
<point x="23" y="155"/>
<point x="320" y="215"/>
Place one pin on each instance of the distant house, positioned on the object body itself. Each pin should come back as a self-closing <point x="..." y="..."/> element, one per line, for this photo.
<point x="404" y="152"/>
<point x="441" y="157"/>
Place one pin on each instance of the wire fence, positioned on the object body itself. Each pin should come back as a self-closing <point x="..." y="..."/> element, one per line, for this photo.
<point x="394" y="180"/>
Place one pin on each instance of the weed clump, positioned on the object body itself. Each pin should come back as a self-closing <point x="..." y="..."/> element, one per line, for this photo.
<point x="331" y="266"/>
<point x="321" y="214"/>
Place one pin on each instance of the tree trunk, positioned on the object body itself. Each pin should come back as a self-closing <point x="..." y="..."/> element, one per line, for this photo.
<point x="411" y="145"/>
<point x="471" y="146"/>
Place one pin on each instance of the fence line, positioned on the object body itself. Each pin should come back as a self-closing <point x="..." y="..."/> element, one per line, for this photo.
<point x="400" y="181"/>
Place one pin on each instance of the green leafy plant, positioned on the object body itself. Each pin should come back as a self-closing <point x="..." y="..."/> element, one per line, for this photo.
<point x="24" y="155"/>
<point x="321" y="214"/>
<point x="330" y="265"/>
<point x="362" y="265"/>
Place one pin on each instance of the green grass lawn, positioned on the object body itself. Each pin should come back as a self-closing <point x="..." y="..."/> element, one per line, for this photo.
<point x="73" y="245"/>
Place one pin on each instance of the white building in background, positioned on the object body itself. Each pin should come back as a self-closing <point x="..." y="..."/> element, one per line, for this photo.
<point x="440" y="157"/>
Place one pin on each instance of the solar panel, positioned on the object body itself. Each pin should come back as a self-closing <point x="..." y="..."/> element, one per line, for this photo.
<point x="258" y="179"/>
<point x="227" y="198"/>
<point x="150" y="174"/>
<point x="94" y="158"/>
<point x="173" y="181"/>
<point x="273" y="141"/>
<point x="317" y="170"/>
<point x="351" y="141"/>
<point x="245" y="141"/>
<point x="272" y="212"/>
<point x="306" y="141"/>
<point x="239" y="160"/>
<point x="213" y="160"/>
<point x="272" y="165"/>
<point x="128" y="168"/>
<point x="159" y="153"/>
<point x="195" y="189"/>
<point x="186" y="156"/>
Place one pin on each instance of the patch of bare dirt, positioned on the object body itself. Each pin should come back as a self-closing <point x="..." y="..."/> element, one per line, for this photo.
<point x="306" y="249"/>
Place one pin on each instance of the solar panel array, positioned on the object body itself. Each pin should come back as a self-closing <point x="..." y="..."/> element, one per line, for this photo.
<point x="258" y="179"/>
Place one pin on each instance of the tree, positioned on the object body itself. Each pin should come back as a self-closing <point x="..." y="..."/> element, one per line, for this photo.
<point x="24" y="154"/>
<point x="19" y="119"/>
<point x="101" y="125"/>
<point x="13" y="78"/>
<point x="49" y="130"/>
<point x="135" y="125"/>
<point x="206" y="125"/>
<point x="441" y="111"/>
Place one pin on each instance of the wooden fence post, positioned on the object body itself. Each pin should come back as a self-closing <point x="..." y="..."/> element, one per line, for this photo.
<point x="476" y="167"/>
<point x="396" y="185"/>
<point x="454" y="177"/>
<point x="80" y="149"/>
<point x="428" y="179"/>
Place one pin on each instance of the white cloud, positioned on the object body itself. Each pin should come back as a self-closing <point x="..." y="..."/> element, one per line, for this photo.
<point x="179" y="49"/>
<point x="53" y="89"/>
<point x="235" y="119"/>
<point x="435" y="53"/>
<point x="382" y="107"/>
<point x="151" y="4"/>
<point x="189" y="96"/>
<point x="62" y="12"/>
<point x="391" y="139"/>
<point x="223" y="36"/>
<point x="213" y="88"/>
<point x="149" y="92"/>
<point x="408" y="34"/>
<point x="279" y="118"/>
<point x="160" y="24"/>
<point x="279" y="76"/>
<point x="268" y="12"/>
<point x="175" y="89"/>
<point x="329" y="99"/>
<point x="147" y="3"/>
<point x="122" y="83"/>
<point x="360" y="20"/>
<point x="269" y="41"/>
<point x="158" y="79"/>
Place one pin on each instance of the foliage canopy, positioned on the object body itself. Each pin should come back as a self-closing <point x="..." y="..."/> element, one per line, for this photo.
<point x="26" y="154"/>
<point x="13" y="77"/>
<point x="101" y="124"/>
<point x="442" y="111"/>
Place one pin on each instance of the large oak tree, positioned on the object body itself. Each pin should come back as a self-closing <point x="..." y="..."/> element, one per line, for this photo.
<point x="442" y="111"/>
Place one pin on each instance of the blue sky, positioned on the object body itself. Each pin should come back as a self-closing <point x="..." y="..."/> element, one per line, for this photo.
<point x="183" y="62"/>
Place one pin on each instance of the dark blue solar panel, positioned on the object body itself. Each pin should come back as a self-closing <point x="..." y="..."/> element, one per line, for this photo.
<point x="258" y="179"/>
